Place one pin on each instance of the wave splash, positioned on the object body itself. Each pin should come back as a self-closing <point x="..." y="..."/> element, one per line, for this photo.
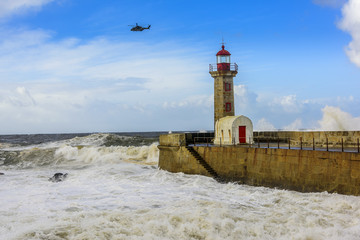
<point x="92" y="149"/>
<point x="334" y="119"/>
<point x="103" y="155"/>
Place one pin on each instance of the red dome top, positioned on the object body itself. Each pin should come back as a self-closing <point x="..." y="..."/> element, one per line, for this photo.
<point x="223" y="51"/>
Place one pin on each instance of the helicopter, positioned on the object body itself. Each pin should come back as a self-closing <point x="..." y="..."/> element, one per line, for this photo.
<point x="138" y="28"/>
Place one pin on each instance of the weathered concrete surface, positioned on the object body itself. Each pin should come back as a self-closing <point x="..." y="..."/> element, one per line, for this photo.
<point x="301" y="170"/>
<point x="172" y="139"/>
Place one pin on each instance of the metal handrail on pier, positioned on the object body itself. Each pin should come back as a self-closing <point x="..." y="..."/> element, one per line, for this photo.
<point x="285" y="143"/>
<point x="313" y="144"/>
<point x="203" y="140"/>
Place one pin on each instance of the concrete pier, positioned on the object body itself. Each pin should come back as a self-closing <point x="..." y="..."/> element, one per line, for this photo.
<point x="300" y="170"/>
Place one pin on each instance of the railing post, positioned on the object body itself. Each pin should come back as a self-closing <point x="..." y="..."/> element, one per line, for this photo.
<point x="327" y="144"/>
<point x="358" y="145"/>
<point x="289" y="139"/>
<point x="313" y="143"/>
<point x="259" y="142"/>
<point x="268" y="143"/>
<point x="342" y="145"/>
<point x="278" y="142"/>
<point x="300" y="143"/>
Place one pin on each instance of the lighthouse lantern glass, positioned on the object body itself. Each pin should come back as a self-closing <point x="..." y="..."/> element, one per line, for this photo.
<point x="223" y="59"/>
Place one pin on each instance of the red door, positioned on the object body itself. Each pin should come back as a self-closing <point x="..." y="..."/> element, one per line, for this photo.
<point x="242" y="134"/>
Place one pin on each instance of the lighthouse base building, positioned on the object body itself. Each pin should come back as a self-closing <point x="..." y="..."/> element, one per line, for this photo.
<point x="233" y="130"/>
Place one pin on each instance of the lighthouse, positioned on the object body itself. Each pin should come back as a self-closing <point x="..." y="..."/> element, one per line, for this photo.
<point x="223" y="73"/>
<point x="229" y="129"/>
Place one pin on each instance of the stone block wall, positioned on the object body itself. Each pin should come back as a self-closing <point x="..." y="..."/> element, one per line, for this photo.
<point x="301" y="170"/>
<point x="172" y="139"/>
<point x="334" y="138"/>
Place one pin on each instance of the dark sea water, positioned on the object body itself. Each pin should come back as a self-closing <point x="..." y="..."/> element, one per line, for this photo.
<point x="114" y="190"/>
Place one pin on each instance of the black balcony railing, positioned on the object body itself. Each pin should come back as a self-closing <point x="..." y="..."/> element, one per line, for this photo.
<point x="213" y="67"/>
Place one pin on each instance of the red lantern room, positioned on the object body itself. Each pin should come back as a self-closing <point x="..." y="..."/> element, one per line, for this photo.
<point x="223" y="60"/>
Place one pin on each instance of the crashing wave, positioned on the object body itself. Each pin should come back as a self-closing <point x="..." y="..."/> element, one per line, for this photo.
<point x="92" y="149"/>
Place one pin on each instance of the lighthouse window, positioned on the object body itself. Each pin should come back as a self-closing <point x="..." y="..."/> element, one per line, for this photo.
<point x="228" y="107"/>
<point x="227" y="86"/>
<point x="223" y="59"/>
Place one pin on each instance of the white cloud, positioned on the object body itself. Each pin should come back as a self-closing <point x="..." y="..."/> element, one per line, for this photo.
<point x="351" y="24"/>
<point x="289" y="103"/>
<point x="264" y="125"/>
<point x="334" y="119"/>
<point x="294" y="126"/>
<point x="271" y="112"/>
<point x="96" y="85"/>
<point x="243" y="97"/>
<point x="34" y="52"/>
<point x="205" y="101"/>
<point x="32" y="55"/>
<point x="9" y="7"/>
<point x="21" y="97"/>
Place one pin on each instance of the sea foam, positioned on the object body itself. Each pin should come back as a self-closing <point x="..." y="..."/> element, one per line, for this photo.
<point x="117" y="192"/>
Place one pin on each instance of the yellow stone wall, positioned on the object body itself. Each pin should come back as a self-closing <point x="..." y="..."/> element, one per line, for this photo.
<point x="172" y="139"/>
<point x="178" y="159"/>
<point x="334" y="137"/>
<point x="301" y="170"/>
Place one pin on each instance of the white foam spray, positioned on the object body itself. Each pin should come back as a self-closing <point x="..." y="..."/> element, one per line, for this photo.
<point x="118" y="192"/>
<point x="264" y="125"/>
<point x="334" y="119"/>
<point x="294" y="126"/>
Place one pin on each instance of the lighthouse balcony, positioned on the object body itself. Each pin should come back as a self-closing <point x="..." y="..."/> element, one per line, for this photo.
<point x="214" y="67"/>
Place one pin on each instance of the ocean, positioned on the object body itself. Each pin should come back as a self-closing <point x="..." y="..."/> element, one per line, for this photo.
<point x="114" y="190"/>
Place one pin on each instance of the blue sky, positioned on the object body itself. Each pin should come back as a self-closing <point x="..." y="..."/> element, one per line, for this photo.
<point x="75" y="66"/>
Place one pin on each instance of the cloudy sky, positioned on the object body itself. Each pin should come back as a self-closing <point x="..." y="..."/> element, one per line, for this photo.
<point x="75" y="66"/>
